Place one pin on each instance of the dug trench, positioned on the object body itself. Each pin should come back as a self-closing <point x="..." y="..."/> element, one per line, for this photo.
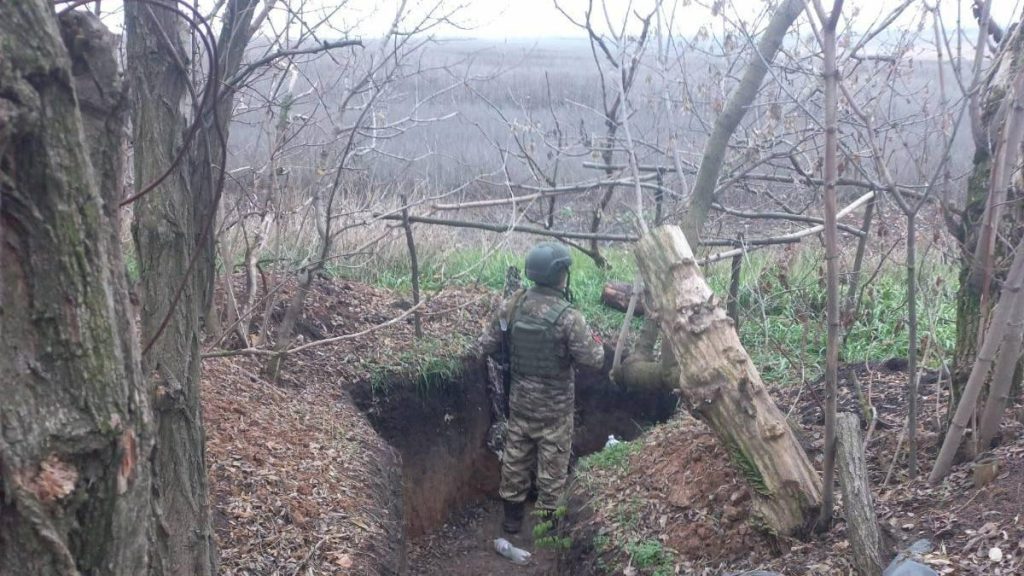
<point x="449" y="478"/>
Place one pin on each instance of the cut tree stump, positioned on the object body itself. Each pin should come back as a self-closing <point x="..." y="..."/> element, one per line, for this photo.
<point x="858" y="507"/>
<point x="616" y="295"/>
<point x="724" y="386"/>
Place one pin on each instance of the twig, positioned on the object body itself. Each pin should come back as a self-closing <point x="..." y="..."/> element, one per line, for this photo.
<point x="624" y="331"/>
<point x="309" y="555"/>
<point x="795" y="235"/>
<point x="512" y="228"/>
<point x="895" y="454"/>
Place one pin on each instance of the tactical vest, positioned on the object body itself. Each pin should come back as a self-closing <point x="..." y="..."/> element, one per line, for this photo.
<point x="536" y="350"/>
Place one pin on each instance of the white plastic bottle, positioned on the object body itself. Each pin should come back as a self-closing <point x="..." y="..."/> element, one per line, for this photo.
<point x="506" y="549"/>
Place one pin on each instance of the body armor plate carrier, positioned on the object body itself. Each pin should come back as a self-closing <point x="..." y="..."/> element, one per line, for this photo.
<point x="536" y="350"/>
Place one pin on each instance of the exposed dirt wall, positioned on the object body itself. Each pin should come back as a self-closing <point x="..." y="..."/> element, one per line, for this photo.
<point x="440" y="432"/>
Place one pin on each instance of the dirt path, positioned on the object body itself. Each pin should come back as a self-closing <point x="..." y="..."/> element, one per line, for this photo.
<point x="464" y="547"/>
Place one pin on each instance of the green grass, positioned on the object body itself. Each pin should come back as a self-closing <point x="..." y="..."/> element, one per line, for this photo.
<point x="783" y="313"/>
<point x="651" y="556"/>
<point x="475" y="268"/>
<point x="782" y="309"/>
<point x="432" y="364"/>
<point x="611" y="458"/>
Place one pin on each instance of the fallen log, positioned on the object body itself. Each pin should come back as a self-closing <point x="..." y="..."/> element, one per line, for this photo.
<point x="616" y="295"/>
<point x="858" y="508"/>
<point x="724" y="386"/>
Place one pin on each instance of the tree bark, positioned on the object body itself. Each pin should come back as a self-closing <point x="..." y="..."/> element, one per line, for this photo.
<point x="1009" y="311"/>
<point x="616" y="295"/>
<point x="165" y="233"/>
<point x="75" y="420"/>
<point x="743" y="96"/>
<point x="968" y="296"/>
<point x="912" y="396"/>
<point x="207" y="150"/>
<point x="993" y="113"/>
<point x="414" y="267"/>
<point x="1002" y="375"/>
<point x="831" y="80"/>
<point x="733" y="303"/>
<point x="725" y="387"/>
<point x="858" y="507"/>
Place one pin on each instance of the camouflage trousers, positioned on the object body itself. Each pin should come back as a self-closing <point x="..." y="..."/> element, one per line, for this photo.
<point x="541" y="445"/>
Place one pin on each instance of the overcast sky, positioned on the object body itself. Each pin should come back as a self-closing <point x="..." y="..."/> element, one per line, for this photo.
<point x="529" y="18"/>
<point x="513" y="19"/>
<point x="499" y="19"/>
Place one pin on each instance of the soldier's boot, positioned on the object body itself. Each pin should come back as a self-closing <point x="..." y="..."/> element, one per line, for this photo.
<point x="513" y="517"/>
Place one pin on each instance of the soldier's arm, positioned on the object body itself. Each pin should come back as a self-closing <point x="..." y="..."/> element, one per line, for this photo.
<point x="584" y="347"/>
<point x="490" y="340"/>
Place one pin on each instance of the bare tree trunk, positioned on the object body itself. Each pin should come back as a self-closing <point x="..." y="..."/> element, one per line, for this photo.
<point x="853" y="288"/>
<point x="165" y="232"/>
<point x="1002" y="377"/>
<point x="858" y="507"/>
<point x="831" y="79"/>
<point x="1008" y="312"/>
<point x="995" y="118"/>
<point x="75" y="428"/>
<point x="912" y="396"/>
<point x="414" y="267"/>
<point x="286" y="331"/>
<point x="739" y="102"/>
<point x="725" y="387"/>
<point x="207" y="151"/>
<point x="968" y="296"/>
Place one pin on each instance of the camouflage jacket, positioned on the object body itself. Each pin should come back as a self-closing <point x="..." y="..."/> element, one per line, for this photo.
<point x="545" y="398"/>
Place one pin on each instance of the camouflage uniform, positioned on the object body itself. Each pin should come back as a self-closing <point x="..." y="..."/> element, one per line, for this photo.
<point x="540" y="422"/>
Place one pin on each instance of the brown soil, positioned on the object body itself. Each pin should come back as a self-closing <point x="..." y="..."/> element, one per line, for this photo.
<point x="300" y="482"/>
<point x="681" y="491"/>
<point x="440" y="435"/>
<point x="676" y="491"/>
<point x="465" y="546"/>
<point x="325" y="473"/>
<point x="448" y="470"/>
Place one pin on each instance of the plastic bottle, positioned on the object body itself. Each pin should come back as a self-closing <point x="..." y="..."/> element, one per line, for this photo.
<point x="506" y="549"/>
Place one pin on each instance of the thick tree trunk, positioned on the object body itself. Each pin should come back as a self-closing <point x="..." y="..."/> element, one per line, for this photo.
<point x="75" y="427"/>
<point x="724" y="386"/>
<point x="207" y="151"/>
<point x="165" y="234"/>
<point x="858" y="507"/>
<point x="1007" y="313"/>
<point x="1002" y="379"/>
<point x="994" y="123"/>
<point x="968" y="296"/>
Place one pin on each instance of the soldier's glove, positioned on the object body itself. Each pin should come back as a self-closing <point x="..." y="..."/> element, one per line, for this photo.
<point x="617" y="378"/>
<point x="496" y="436"/>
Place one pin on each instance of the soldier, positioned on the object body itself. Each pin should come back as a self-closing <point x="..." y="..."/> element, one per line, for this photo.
<point x="546" y="337"/>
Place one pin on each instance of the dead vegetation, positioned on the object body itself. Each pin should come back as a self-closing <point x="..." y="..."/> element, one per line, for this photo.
<point x="680" y="492"/>
<point x="300" y="481"/>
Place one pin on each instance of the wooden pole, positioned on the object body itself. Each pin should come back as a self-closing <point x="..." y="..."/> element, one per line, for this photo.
<point x="413" y="266"/>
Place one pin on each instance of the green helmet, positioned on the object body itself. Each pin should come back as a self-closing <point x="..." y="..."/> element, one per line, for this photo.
<point x="545" y="263"/>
